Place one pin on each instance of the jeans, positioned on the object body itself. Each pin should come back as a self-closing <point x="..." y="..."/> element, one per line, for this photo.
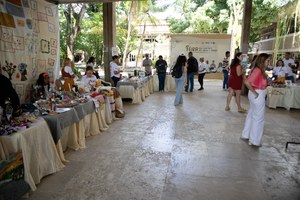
<point x="225" y="80"/>
<point x="190" y="80"/>
<point x="179" y="86"/>
<point x="161" y="79"/>
<point x="200" y="79"/>
<point x="115" y="80"/>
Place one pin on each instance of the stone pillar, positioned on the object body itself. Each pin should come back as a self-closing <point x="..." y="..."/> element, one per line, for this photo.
<point x="109" y="35"/>
<point x="246" y="26"/>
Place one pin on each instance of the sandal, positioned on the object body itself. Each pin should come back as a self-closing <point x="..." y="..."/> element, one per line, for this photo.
<point x="227" y="108"/>
<point x="242" y="110"/>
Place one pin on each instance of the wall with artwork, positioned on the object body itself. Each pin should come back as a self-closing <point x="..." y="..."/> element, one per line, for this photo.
<point x="29" y="42"/>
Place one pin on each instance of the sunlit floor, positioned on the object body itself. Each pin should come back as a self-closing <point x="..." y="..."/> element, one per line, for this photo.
<point x="192" y="151"/>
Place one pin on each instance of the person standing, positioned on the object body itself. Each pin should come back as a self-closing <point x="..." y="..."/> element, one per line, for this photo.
<point x="225" y="69"/>
<point x="235" y="82"/>
<point x="201" y="72"/>
<point x="256" y="83"/>
<point x="191" y="69"/>
<point x="161" y="69"/>
<point x="181" y="65"/>
<point x="68" y="74"/>
<point x="147" y="63"/>
<point x="115" y="70"/>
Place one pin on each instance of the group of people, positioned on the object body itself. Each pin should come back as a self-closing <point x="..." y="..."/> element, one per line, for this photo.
<point x="256" y="83"/>
<point x="287" y="68"/>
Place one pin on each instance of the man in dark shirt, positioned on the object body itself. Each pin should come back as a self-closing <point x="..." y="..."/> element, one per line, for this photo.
<point x="161" y="69"/>
<point x="191" y="69"/>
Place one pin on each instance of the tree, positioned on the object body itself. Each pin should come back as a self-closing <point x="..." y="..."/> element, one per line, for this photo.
<point x="73" y="14"/>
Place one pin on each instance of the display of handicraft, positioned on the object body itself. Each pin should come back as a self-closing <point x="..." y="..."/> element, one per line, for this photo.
<point x="279" y="82"/>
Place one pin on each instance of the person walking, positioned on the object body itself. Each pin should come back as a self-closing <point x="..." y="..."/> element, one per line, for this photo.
<point x="256" y="83"/>
<point x="201" y="72"/>
<point x="225" y="70"/>
<point x="192" y="67"/>
<point x="235" y="82"/>
<point x="161" y="69"/>
<point x="180" y="66"/>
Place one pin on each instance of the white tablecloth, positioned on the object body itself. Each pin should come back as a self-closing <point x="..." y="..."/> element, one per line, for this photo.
<point x="288" y="97"/>
<point x="38" y="149"/>
<point x="169" y="83"/>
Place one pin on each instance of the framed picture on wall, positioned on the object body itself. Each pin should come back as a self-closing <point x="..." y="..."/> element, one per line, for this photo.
<point x="53" y="43"/>
<point x="49" y="11"/>
<point x="45" y="46"/>
<point x="53" y="51"/>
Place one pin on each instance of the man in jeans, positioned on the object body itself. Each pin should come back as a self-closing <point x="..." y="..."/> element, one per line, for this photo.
<point x="191" y="69"/>
<point x="225" y="67"/>
<point x="161" y="69"/>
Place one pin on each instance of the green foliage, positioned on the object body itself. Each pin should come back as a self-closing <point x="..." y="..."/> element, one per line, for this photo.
<point x="263" y="14"/>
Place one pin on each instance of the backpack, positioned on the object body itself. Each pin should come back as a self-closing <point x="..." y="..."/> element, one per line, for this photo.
<point x="194" y="67"/>
<point x="161" y="68"/>
<point x="176" y="71"/>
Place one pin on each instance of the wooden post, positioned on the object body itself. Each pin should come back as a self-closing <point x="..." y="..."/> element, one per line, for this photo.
<point x="109" y="36"/>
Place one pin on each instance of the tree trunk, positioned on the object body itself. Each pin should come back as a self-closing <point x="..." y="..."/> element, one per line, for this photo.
<point x="141" y="45"/>
<point x="128" y="36"/>
<point x="76" y="29"/>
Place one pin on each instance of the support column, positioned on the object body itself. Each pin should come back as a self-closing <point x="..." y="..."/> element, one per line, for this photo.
<point x="246" y="26"/>
<point x="109" y="35"/>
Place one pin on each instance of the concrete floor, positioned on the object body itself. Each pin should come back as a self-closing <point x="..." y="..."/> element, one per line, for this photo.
<point x="193" y="151"/>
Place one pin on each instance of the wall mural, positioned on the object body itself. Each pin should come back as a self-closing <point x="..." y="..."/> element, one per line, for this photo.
<point x="28" y="42"/>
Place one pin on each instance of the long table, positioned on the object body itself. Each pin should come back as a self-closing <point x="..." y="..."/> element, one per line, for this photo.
<point x="38" y="149"/>
<point x="288" y="97"/>
<point x="169" y="83"/>
<point x="136" y="91"/>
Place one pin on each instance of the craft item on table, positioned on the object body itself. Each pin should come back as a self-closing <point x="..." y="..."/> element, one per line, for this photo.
<point x="67" y="95"/>
<point x="52" y="104"/>
<point x="104" y="92"/>
<point x="12" y="168"/>
<point x="279" y="82"/>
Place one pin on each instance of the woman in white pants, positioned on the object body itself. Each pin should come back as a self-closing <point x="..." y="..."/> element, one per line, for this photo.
<point x="256" y="83"/>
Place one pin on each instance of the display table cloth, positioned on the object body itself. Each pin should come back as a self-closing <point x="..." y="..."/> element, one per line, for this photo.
<point x="288" y="97"/>
<point x="169" y="83"/>
<point x="40" y="156"/>
<point x="136" y="91"/>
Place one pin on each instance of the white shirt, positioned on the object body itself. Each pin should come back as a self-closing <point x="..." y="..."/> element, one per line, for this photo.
<point x="201" y="67"/>
<point x="86" y="80"/>
<point x="114" y="67"/>
<point x="289" y="61"/>
<point x="69" y="70"/>
<point x="147" y="63"/>
<point x="280" y="71"/>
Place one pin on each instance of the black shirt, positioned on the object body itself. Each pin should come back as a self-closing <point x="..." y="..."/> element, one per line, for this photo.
<point x="7" y="91"/>
<point x="192" y="65"/>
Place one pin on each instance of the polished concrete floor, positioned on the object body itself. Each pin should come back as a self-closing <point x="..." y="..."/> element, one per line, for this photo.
<point x="193" y="151"/>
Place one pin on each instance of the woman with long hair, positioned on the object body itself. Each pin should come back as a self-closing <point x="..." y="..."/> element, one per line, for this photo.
<point x="180" y="65"/>
<point x="235" y="82"/>
<point x="256" y="83"/>
<point x="42" y="86"/>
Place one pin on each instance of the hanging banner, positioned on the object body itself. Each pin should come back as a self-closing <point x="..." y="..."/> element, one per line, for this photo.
<point x="29" y="42"/>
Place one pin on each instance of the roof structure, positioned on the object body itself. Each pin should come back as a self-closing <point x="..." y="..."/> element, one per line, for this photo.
<point x="85" y="1"/>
